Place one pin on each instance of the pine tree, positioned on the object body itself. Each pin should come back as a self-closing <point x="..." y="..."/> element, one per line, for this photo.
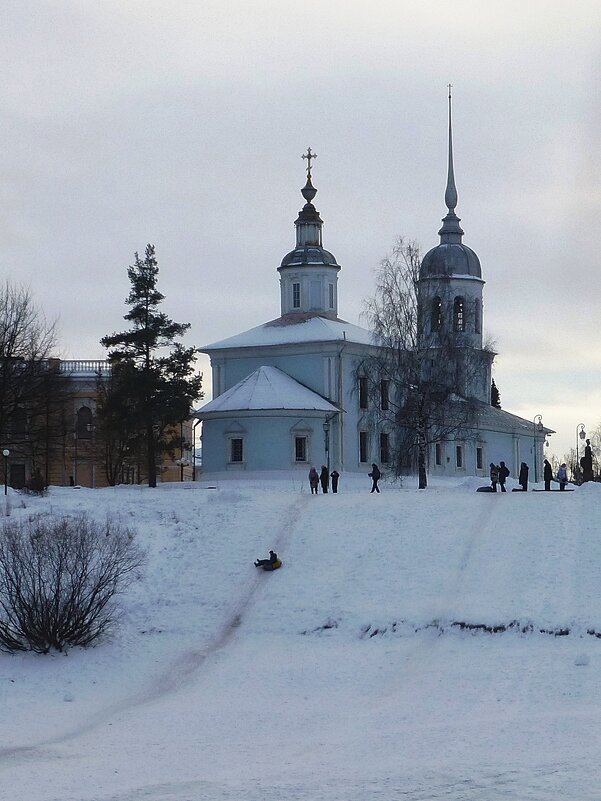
<point x="153" y="378"/>
<point x="495" y="395"/>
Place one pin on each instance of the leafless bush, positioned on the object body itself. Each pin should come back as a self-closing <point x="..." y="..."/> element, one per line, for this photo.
<point x="58" y="581"/>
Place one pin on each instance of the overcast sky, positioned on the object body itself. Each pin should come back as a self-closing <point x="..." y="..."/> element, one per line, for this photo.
<point x="183" y="124"/>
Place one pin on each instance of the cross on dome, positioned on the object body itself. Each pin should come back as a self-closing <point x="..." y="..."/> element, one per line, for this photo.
<point x="309" y="155"/>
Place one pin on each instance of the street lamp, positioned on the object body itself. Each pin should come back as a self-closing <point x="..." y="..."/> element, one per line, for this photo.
<point x="537" y="428"/>
<point x="6" y="454"/>
<point x="326" y="432"/>
<point x="580" y="433"/>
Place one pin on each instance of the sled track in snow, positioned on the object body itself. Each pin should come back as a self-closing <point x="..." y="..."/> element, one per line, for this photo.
<point x="185" y="666"/>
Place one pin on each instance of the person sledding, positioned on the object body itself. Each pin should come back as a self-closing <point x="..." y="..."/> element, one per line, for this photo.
<point x="269" y="564"/>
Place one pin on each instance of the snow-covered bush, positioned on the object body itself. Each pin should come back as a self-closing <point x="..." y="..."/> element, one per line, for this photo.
<point x="59" y="578"/>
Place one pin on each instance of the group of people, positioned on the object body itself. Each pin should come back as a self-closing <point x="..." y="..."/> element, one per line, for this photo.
<point x="499" y="475"/>
<point x="323" y="478"/>
<point x="562" y="475"/>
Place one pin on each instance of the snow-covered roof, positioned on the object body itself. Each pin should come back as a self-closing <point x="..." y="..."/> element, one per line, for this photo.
<point x="296" y="328"/>
<point x="490" y="417"/>
<point x="267" y="388"/>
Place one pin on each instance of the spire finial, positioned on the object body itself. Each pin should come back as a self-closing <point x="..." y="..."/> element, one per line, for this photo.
<point x="450" y="195"/>
<point x="309" y="155"/>
<point x="309" y="191"/>
<point x="451" y="230"/>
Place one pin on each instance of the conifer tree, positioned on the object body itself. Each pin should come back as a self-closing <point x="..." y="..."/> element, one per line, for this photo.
<point x="153" y="379"/>
<point x="495" y="395"/>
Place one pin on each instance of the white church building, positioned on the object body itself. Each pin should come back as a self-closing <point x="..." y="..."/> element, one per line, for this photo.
<point x="286" y="395"/>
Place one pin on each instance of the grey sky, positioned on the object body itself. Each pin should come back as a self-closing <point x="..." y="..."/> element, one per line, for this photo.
<point x="183" y="124"/>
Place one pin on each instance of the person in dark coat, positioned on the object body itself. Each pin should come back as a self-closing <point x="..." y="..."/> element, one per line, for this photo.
<point x="503" y="474"/>
<point x="547" y="475"/>
<point x="375" y="476"/>
<point x="587" y="462"/>
<point x="273" y="557"/>
<point x="494" y="476"/>
<point x="314" y="481"/>
<point x="562" y="476"/>
<point x="523" y="479"/>
<point x="324" y="477"/>
<point x="334" y="475"/>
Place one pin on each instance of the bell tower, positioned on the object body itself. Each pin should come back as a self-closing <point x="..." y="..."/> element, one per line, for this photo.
<point x="309" y="273"/>
<point x="450" y="296"/>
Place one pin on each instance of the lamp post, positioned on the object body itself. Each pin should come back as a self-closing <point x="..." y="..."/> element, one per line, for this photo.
<point x="6" y="454"/>
<point x="182" y="463"/>
<point x="194" y="450"/>
<point x="580" y="433"/>
<point x="326" y="432"/>
<point x="537" y="428"/>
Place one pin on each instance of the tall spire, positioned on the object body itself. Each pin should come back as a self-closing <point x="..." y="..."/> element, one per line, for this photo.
<point x="450" y="196"/>
<point x="451" y="230"/>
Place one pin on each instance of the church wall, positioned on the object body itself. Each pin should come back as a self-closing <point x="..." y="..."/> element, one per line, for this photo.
<point x="268" y="443"/>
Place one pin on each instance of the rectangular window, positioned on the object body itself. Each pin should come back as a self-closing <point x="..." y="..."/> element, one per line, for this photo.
<point x="296" y="299"/>
<point x="384" y="401"/>
<point x="300" y="449"/>
<point x="438" y="454"/>
<point x="237" y="450"/>
<point x="331" y="295"/>
<point x="459" y="455"/>
<point x="479" y="458"/>
<point x="363" y="446"/>
<point x="363" y="392"/>
<point x="384" y="448"/>
<point x="315" y="289"/>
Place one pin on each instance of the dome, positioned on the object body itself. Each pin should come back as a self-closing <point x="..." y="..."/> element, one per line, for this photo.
<point x="450" y="259"/>
<point x="309" y="254"/>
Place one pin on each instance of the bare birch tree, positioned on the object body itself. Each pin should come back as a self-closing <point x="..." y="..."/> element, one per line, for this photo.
<point x="418" y="382"/>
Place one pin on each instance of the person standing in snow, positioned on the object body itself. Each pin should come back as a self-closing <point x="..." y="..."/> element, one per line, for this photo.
<point x="503" y="474"/>
<point x="494" y="476"/>
<point x="334" y="475"/>
<point x="562" y="476"/>
<point x="324" y="477"/>
<point x="313" y="481"/>
<point x="587" y="462"/>
<point x="523" y="479"/>
<point x="547" y="475"/>
<point x="375" y="476"/>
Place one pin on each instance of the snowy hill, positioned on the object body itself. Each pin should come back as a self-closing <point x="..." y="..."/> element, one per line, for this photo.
<point x="415" y="645"/>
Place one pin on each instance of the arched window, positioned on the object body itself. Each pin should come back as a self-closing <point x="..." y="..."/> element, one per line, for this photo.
<point x="477" y="316"/>
<point x="436" y="315"/>
<point x="84" y="424"/>
<point x="459" y="314"/>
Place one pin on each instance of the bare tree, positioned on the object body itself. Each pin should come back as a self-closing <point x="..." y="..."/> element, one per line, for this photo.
<point x="58" y="581"/>
<point x="420" y="378"/>
<point x="33" y="392"/>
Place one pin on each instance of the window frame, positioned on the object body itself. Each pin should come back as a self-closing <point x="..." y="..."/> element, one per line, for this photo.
<point x="298" y="438"/>
<point x="363" y="392"/>
<point x="296" y="295"/>
<point x="384" y="447"/>
<point x="233" y="440"/>
<point x="363" y="447"/>
<point x="384" y="394"/>
<point x="459" y="314"/>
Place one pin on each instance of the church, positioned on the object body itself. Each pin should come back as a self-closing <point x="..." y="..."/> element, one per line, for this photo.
<point x="287" y="394"/>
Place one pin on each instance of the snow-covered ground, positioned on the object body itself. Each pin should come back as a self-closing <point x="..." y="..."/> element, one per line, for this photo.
<point x="353" y="673"/>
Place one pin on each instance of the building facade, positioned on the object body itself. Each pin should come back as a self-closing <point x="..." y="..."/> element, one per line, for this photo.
<point x="288" y="394"/>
